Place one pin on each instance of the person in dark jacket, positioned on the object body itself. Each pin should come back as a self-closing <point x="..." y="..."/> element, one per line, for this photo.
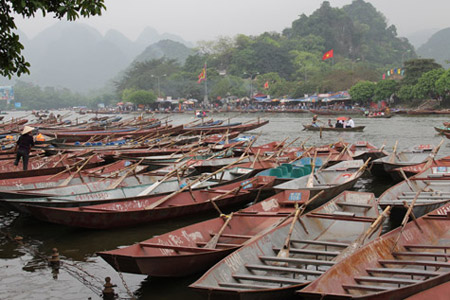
<point x="23" y="147"/>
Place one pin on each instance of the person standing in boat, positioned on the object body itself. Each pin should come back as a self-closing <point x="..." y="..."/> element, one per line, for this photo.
<point x="330" y="124"/>
<point x="350" y="123"/>
<point x="315" y="121"/>
<point x="23" y="147"/>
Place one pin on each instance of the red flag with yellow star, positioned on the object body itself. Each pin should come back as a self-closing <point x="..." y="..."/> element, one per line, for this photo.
<point x="328" y="54"/>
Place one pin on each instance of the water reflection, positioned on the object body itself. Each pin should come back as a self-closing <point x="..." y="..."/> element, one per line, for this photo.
<point x="77" y="247"/>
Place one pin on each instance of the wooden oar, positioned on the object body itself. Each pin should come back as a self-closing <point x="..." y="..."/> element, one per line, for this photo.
<point x="392" y="157"/>
<point x="255" y="158"/>
<point x="325" y="163"/>
<point x="405" y="219"/>
<point x="167" y="176"/>
<point x="284" y="252"/>
<point x="310" y="182"/>
<point x="361" y="169"/>
<point x="213" y="242"/>
<point x="198" y="180"/>
<point x="68" y="179"/>
<point x="432" y="155"/>
<point x="116" y="183"/>
<point x="374" y="226"/>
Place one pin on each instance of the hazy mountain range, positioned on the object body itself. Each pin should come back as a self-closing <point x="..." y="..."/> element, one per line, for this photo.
<point x="78" y="57"/>
<point x="437" y="47"/>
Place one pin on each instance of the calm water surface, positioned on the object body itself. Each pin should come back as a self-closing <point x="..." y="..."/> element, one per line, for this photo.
<point x="24" y="273"/>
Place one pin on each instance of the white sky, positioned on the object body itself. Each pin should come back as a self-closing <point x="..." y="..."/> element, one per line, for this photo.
<point x="195" y="20"/>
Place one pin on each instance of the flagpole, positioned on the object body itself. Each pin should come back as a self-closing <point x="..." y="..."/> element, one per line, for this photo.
<point x="205" y="100"/>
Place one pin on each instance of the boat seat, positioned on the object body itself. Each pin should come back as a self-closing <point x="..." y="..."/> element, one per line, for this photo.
<point x="177" y="248"/>
<point x="224" y="245"/>
<point x="276" y="172"/>
<point x="297" y="172"/>
<point x="311" y="252"/>
<point x="386" y="280"/>
<point x="412" y="272"/>
<point x="366" y="287"/>
<point x="301" y="261"/>
<point x="284" y="170"/>
<point x="341" y="217"/>
<point x="426" y="254"/>
<point x="288" y="166"/>
<point x="426" y="263"/>
<point x="284" y="269"/>
<point x="234" y="285"/>
<point x="324" y="243"/>
<point x="268" y="279"/>
<point x="229" y="235"/>
<point x="443" y="247"/>
<point x="354" y="204"/>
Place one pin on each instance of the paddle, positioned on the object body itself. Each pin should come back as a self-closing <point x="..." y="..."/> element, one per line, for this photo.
<point x="255" y="158"/>
<point x="405" y="219"/>
<point x="68" y="179"/>
<point x="392" y="157"/>
<point x="284" y="252"/>
<point x="158" y="182"/>
<point x="198" y="180"/>
<point x="374" y="226"/>
<point x="310" y="182"/>
<point x="432" y="155"/>
<point x="119" y="181"/>
<point x="213" y="242"/>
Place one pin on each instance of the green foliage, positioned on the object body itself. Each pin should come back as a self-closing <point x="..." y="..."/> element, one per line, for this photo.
<point x="363" y="91"/>
<point x="140" y="97"/>
<point x="406" y="92"/>
<point x="384" y="89"/>
<point x="12" y="62"/>
<point x="34" y="97"/>
<point x="443" y="85"/>
<point x="416" y="67"/>
<point x="426" y="87"/>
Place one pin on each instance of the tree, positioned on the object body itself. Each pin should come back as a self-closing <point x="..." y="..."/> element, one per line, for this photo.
<point x="443" y="85"/>
<point x="384" y="89"/>
<point x="426" y="87"/>
<point x="141" y="97"/>
<point x="12" y="62"/>
<point x="416" y="67"/>
<point x="362" y="91"/>
<point x="406" y="92"/>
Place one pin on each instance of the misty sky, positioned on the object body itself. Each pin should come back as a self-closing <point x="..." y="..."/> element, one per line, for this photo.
<point x="195" y="20"/>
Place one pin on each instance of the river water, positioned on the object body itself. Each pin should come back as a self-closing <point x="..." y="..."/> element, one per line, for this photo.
<point x="25" y="274"/>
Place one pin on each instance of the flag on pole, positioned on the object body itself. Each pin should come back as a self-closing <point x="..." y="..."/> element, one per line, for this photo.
<point x="328" y="54"/>
<point x="266" y="85"/>
<point x="202" y="75"/>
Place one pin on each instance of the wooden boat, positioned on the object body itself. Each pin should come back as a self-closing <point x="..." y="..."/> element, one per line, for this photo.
<point x="421" y="112"/>
<point x="318" y="241"/>
<point x="431" y="189"/>
<point x="447" y="135"/>
<point x="365" y="150"/>
<point x="144" y="209"/>
<point x="377" y="116"/>
<point x="401" y="263"/>
<point x="64" y="178"/>
<point x="442" y="129"/>
<point x="415" y="156"/>
<point x="416" y="169"/>
<point x="225" y="128"/>
<point x="286" y="171"/>
<point x="183" y="252"/>
<point x="324" y="128"/>
<point x="437" y="292"/>
<point x="336" y="111"/>
<point x="83" y="136"/>
<point x="332" y="180"/>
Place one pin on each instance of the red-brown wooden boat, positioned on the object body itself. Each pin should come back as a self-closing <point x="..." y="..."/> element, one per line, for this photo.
<point x="144" y="209"/>
<point x="316" y="241"/>
<point x="401" y="263"/>
<point x="225" y="128"/>
<point x="183" y="252"/>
